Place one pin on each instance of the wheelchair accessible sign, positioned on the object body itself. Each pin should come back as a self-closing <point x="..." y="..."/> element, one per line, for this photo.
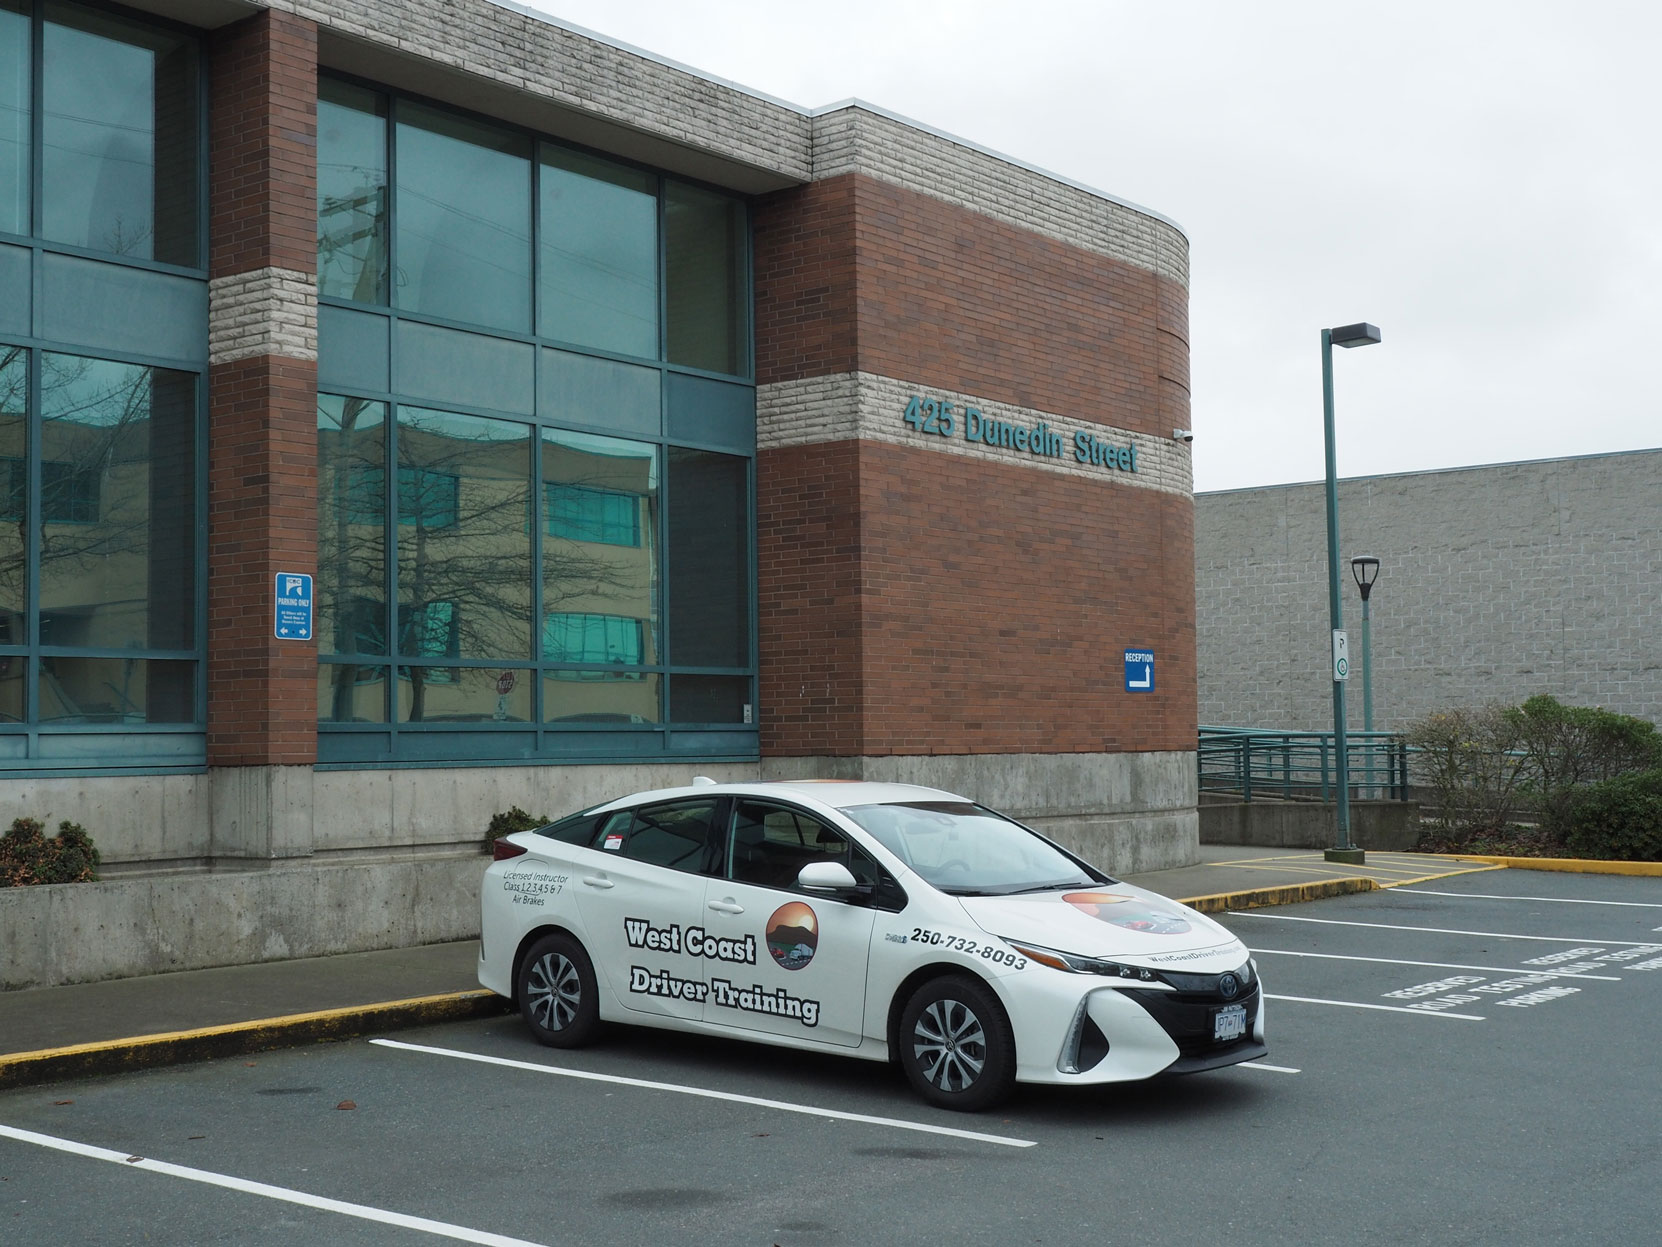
<point x="293" y="619"/>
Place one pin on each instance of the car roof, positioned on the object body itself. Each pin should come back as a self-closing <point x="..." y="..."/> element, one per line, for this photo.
<point x="835" y="793"/>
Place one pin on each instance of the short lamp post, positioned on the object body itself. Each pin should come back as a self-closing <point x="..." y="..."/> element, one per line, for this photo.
<point x="1365" y="568"/>
<point x="1346" y="336"/>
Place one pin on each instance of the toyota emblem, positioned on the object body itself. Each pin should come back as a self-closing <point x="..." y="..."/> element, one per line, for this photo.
<point x="1229" y="986"/>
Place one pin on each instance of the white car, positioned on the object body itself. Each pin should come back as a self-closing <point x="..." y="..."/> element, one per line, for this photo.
<point x="884" y="921"/>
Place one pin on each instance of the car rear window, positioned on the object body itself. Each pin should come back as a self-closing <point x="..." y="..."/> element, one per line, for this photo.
<point x="575" y="828"/>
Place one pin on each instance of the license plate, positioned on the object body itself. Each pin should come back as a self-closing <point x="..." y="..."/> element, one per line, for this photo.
<point x="1229" y="1022"/>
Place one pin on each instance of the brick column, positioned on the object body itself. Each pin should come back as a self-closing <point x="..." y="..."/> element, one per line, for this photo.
<point x="262" y="442"/>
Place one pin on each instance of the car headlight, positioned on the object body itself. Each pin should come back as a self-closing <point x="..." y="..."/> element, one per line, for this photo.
<point x="1076" y="964"/>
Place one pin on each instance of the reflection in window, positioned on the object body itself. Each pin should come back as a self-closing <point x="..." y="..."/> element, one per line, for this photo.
<point x="705" y="243"/>
<point x="118" y="515"/>
<point x="464" y="219"/>
<point x="350" y="589"/>
<point x="464" y="695"/>
<point x="709" y="699"/>
<point x="350" y="693"/>
<point x="14" y="475"/>
<point x="15" y="106"/>
<point x="351" y="192"/>
<point x="119" y="136"/>
<point x="602" y="516"/>
<point x="476" y="473"/>
<point x="425" y="499"/>
<point x="116" y="690"/>
<point x="598" y="261"/>
<point x="620" y="698"/>
<point x="614" y="639"/>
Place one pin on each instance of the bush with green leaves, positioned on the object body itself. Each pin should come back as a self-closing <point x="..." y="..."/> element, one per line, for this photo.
<point x="1471" y="761"/>
<point x="506" y="822"/>
<point x="28" y="855"/>
<point x="1571" y="747"/>
<point x="1619" y="818"/>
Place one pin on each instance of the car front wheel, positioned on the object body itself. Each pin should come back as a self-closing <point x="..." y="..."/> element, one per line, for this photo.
<point x="557" y="994"/>
<point x="956" y="1045"/>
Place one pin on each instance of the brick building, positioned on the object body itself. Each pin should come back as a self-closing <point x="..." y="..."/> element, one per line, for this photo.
<point x="628" y="424"/>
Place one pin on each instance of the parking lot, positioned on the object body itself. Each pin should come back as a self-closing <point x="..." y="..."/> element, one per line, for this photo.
<point x="1464" y="1061"/>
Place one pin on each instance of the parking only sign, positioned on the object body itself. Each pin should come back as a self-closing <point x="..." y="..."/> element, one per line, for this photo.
<point x="1341" y="655"/>
<point x="1139" y="671"/>
<point x="293" y="617"/>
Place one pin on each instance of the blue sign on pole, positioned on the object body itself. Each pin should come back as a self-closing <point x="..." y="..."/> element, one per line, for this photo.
<point x="293" y="607"/>
<point x="1139" y="671"/>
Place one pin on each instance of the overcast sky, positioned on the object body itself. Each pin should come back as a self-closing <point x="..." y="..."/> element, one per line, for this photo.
<point x="1480" y="180"/>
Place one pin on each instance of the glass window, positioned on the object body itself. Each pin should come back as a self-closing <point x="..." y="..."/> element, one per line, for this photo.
<point x="466" y="543"/>
<point x="708" y="293"/>
<point x="118" y="505"/>
<point x="120" y="136"/>
<point x="116" y="690"/>
<point x="600" y="551"/>
<point x="681" y="836"/>
<point x="598" y="253"/>
<point x="464" y="695"/>
<point x="709" y="699"/>
<point x="966" y="849"/>
<point x="350" y="591"/>
<point x="349" y="693"/>
<point x="16" y="103"/>
<point x="709" y="560"/>
<point x="14" y="478"/>
<point x="464" y="219"/>
<point x="351" y="192"/>
<point x="576" y="698"/>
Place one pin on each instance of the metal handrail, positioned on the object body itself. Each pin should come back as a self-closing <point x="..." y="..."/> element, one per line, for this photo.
<point x="1300" y="765"/>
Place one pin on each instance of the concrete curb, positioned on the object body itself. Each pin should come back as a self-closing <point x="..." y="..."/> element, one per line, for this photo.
<point x="1282" y="894"/>
<point x="115" y="1056"/>
<point x="1569" y="865"/>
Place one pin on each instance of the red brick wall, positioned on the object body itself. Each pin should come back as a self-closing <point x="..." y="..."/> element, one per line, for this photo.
<point x="916" y="601"/>
<point x="262" y="440"/>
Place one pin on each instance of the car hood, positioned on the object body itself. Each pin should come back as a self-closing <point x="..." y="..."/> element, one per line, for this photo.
<point x="1115" y="921"/>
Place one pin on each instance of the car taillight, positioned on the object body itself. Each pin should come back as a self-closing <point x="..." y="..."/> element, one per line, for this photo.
<point x="503" y="849"/>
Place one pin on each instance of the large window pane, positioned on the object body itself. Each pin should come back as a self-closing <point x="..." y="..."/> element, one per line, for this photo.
<point x="120" y="136"/>
<point x="14" y="493"/>
<point x="351" y="597"/>
<point x="709" y="559"/>
<point x="464" y="695"/>
<point x="600" y="550"/>
<point x="598" y="244"/>
<point x="116" y="690"/>
<point x="708" y="294"/>
<point x="117" y="505"/>
<point x="351" y="192"/>
<point x="464" y="541"/>
<point x="464" y="219"/>
<point x="622" y="697"/>
<point x="15" y="104"/>
<point x="351" y="693"/>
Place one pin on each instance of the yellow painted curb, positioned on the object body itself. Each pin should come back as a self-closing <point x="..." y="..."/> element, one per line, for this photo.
<point x="176" y="1047"/>
<point x="1570" y="865"/>
<point x="1284" y="894"/>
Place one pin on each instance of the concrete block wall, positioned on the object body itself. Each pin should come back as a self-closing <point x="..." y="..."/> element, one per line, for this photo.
<point x="1496" y="583"/>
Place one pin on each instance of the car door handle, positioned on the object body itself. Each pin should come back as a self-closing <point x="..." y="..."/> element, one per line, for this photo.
<point x="727" y="907"/>
<point x="598" y="881"/>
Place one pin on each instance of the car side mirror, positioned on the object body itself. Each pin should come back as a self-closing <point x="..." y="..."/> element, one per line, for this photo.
<point x="831" y="877"/>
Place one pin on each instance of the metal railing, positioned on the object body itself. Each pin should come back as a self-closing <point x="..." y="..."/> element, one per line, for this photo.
<point x="1296" y="766"/>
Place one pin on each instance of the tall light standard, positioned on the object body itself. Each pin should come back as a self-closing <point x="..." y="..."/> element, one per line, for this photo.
<point x="1346" y="336"/>
<point x="1365" y="568"/>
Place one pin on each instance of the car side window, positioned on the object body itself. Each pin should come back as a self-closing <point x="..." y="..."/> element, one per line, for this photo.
<point x="771" y="844"/>
<point x="682" y="835"/>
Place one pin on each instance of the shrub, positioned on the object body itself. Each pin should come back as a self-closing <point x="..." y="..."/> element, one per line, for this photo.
<point x="1620" y="818"/>
<point x="1570" y="747"/>
<point x="28" y="855"/>
<point x="1470" y="759"/>
<point x="505" y="822"/>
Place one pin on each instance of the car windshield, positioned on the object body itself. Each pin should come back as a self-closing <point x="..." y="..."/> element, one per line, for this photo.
<point x="967" y="850"/>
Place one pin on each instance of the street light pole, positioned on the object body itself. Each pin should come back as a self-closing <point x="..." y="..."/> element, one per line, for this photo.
<point x="1346" y="336"/>
<point x="1365" y="568"/>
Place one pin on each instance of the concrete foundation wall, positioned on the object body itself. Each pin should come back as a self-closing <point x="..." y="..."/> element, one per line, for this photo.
<point x="1383" y="826"/>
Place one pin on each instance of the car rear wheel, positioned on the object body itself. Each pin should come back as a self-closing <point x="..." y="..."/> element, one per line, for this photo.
<point x="956" y="1045"/>
<point x="557" y="994"/>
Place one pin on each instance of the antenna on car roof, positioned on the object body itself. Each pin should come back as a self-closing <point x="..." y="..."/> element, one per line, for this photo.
<point x="702" y="779"/>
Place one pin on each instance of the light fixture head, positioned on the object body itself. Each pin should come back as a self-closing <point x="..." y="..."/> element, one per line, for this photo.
<point x="1366" y="570"/>
<point x="1362" y="334"/>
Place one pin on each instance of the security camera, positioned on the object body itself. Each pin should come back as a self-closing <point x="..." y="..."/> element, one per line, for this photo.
<point x="1183" y="435"/>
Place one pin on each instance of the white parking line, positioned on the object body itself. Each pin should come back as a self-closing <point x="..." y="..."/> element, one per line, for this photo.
<point x="1436" y="965"/>
<point x="1273" y="1069"/>
<point x="445" y="1230"/>
<point x="1555" y="900"/>
<point x="1357" y="1004"/>
<point x="783" y="1105"/>
<point x="1394" y="926"/>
